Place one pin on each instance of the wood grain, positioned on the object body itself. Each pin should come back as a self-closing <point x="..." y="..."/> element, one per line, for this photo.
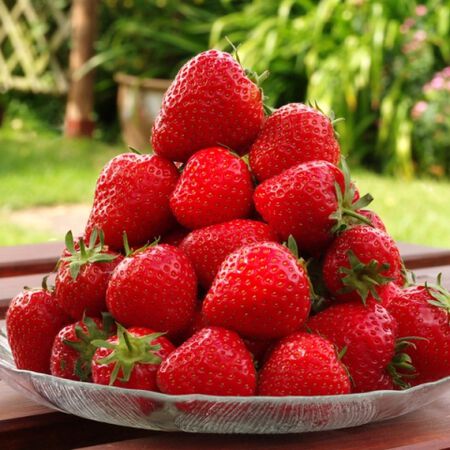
<point x="28" y="259"/>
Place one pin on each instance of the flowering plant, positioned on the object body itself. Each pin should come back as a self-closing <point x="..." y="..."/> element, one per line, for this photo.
<point x="431" y="116"/>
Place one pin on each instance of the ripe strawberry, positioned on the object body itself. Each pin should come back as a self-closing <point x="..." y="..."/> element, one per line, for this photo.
<point x="303" y="364"/>
<point x="131" y="359"/>
<point x="83" y="275"/>
<point x="213" y="361"/>
<point x="366" y="335"/>
<point x="293" y="134"/>
<point x="311" y="202"/>
<point x="359" y="262"/>
<point x="208" y="247"/>
<point x="261" y="291"/>
<point x="424" y="312"/>
<point x="33" y="320"/>
<point x="154" y="288"/>
<point x="211" y="102"/>
<point x="214" y="187"/>
<point x="374" y="218"/>
<point x="72" y="349"/>
<point x="132" y="196"/>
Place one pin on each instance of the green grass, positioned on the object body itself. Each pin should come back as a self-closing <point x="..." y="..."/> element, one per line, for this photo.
<point x="416" y="211"/>
<point x="46" y="169"/>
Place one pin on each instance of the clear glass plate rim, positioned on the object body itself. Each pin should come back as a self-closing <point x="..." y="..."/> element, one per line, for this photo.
<point x="225" y="399"/>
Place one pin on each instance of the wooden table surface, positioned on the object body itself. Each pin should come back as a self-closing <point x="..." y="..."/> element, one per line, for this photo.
<point x="27" y="425"/>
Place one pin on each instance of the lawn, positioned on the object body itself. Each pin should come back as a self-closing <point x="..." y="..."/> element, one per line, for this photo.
<point x="45" y="169"/>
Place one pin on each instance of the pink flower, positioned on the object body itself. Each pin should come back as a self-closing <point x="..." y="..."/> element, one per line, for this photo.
<point x="421" y="10"/>
<point x="418" y="109"/>
<point x="407" y="24"/>
<point x="437" y="82"/>
<point x="420" y="36"/>
<point x="446" y="72"/>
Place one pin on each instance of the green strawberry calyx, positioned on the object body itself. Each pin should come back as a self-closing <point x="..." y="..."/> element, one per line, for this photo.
<point x="83" y="345"/>
<point x="129" y="351"/>
<point x="44" y="286"/>
<point x="131" y="252"/>
<point x="257" y="78"/>
<point x="364" y="278"/>
<point x="401" y="367"/>
<point x="346" y="213"/>
<point x="440" y="295"/>
<point x="94" y="252"/>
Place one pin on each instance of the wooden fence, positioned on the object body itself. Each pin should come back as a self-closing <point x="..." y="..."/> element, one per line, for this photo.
<point x="34" y="45"/>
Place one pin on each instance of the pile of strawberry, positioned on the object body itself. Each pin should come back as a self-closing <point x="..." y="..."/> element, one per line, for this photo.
<point x="202" y="271"/>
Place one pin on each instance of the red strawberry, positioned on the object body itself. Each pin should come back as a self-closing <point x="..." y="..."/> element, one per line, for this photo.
<point x="83" y="275"/>
<point x="365" y="334"/>
<point x="33" y="320"/>
<point x="132" y="196"/>
<point x="303" y="364"/>
<point x="359" y="262"/>
<point x="155" y="288"/>
<point x="208" y="247"/>
<point x="293" y="134"/>
<point x="72" y="349"/>
<point x="261" y="291"/>
<point x="311" y="202"/>
<point x="214" y="187"/>
<point x="131" y="359"/>
<point x="374" y="218"/>
<point x="424" y="312"/>
<point x="211" y="102"/>
<point x="213" y="361"/>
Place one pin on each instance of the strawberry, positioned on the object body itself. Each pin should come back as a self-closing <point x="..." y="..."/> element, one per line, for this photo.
<point x="83" y="275"/>
<point x="132" y="196"/>
<point x="374" y="218"/>
<point x="210" y="102"/>
<point x="72" y="349"/>
<point x="213" y="361"/>
<point x="303" y="364"/>
<point x="261" y="291"/>
<point x="366" y="335"/>
<point x="424" y="312"/>
<point x="208" y="247"/>
<point x="154" y="288"/>
<point x="214" y="187"/>
<point x="130" y="359"/>
<point x="33" y="320"/>
<point x="293" y="134"/>
<point x="359" y="262"/>
<point x="312" y="202"/>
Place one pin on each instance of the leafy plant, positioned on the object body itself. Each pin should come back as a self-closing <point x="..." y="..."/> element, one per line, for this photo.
<point x="365" y="60"/>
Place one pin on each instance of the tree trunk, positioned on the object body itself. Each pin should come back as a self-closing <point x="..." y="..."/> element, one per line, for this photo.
<point x="80" y="102"/>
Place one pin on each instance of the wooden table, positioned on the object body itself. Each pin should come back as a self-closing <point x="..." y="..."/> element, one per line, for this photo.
<point x="27" y="425"/>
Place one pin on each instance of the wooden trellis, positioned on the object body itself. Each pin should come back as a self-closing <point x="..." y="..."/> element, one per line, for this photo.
<point x="33" y="37"/>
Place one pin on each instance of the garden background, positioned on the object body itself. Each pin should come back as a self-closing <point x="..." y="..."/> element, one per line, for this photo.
<point x="383" y="66"/>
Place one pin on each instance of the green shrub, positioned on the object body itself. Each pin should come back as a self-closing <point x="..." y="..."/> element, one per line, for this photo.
<point x="365" y="60"/>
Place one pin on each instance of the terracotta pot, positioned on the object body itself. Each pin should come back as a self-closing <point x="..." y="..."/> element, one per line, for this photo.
<point x="138" y="101"/>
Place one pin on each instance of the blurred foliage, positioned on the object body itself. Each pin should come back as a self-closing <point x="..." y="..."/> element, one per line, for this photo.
<point x="431" y="117"/>
<point x="365" y="60"/>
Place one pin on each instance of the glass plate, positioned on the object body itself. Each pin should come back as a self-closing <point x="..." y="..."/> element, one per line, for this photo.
<point x="211" y="414"/>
